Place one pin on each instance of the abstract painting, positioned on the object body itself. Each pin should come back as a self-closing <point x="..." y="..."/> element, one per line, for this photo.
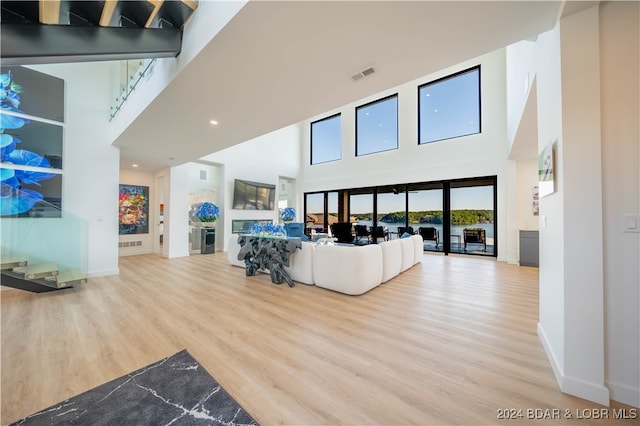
<point x="133" y="205"/>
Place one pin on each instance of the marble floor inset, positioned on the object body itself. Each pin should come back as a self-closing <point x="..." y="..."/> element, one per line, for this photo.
<point x="175" y="390"/>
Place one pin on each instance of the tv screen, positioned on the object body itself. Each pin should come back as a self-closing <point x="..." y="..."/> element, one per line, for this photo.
<point x="253" y="195"/>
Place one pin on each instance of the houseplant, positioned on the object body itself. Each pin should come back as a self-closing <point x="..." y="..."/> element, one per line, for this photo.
<point x="287" y="214"/>
<point x="207" y="213"/>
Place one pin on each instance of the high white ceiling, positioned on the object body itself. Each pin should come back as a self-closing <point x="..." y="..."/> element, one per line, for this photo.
<point x="278" y="63"/>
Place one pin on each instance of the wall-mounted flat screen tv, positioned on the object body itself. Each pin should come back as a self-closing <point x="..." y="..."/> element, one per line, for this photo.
<point x="253" y="195"/>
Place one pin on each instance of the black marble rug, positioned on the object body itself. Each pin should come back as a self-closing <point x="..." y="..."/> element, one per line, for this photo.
<point x="174" y="391"/>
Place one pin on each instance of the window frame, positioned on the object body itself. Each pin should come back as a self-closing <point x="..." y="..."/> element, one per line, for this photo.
<point x="439" y="80"/>
<point x="445" y="186"/>
<point x="311" y="125"/>
<point x="397" y="118"/>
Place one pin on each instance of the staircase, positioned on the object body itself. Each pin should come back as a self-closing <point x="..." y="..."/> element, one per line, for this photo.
<point x="63" y="31"/>
<point x="17" y="272"/>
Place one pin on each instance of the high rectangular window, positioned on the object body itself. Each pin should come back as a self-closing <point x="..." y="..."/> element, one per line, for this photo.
<point x="449" y="107"/>
<point x="326" y="139"/>
<point x="377" y="126"/>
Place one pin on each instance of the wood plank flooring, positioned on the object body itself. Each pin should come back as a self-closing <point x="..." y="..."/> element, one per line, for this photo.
<point x="450" y="341"/>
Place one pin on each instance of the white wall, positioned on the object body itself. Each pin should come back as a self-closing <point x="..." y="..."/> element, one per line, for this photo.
<point x="589" y="320"/>
<point x="263" y="159"/>
<point x="469" y="156"/>
<point x="620" y="89"/>
<point x="520" y="60"/>
<point x="551" y="326"/>
<point x="202" y="190"/>
<point x="91" y="164"/>
<point x="176" y="219"/>
<point x="582" y="198"/>
<point x="134" y="177"/>
<point x="527" y="178"/>
<point x="207" y="20"/>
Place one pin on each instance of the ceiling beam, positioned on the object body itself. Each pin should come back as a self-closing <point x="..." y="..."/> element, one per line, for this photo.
<point x="156" y="8"/>
<point x="193" y="4"/>
<point x="107" y="12"/>
<point x="49" y="11"/>
<point x="25" y="44"/>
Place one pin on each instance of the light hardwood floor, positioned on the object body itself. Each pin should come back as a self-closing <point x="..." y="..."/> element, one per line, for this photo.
<point x="450" y="341"/>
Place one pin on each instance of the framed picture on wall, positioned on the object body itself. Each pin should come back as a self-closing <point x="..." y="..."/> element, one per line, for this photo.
<point x="30" y="193"/>
<point x="546" y="171"/>
<point x="133" y="206"/>
<point x="31" y="154"/>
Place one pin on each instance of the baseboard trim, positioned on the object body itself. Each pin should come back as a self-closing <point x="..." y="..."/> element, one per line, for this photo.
<point x="624" y="394"/>
<point x="555" y="365"/>
<point x="585" y="390"/>
<point x="178" y="254"/>
<point x="103" y="273"/>
<point x="570" y="385"/>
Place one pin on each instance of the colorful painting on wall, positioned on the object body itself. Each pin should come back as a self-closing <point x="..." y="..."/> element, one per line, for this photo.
<point x="31" y="149"/>
<point x="133" y="204"/>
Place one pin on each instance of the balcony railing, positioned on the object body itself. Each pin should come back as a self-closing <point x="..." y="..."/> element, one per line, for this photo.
<point x="125" y="77"/>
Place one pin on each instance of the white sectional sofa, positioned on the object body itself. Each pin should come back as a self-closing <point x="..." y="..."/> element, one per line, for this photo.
<point x="348" y="269"/>
<point x="391" y="259"/>
<point x="352" y="270"/>
<point x="301" y="264"/>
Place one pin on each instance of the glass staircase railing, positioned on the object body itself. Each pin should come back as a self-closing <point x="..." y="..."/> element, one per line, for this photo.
<point x="124" y="79"/>
<point x="41" y="252"/>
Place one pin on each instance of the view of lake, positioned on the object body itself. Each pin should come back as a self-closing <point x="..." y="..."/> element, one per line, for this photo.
<point x="455" y="230"/>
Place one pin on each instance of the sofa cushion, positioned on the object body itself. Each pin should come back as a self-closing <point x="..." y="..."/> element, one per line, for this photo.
<point x="300" y="267"/>
<point x="408" y="253"/>
<point x="391" y="259"/>
<point x="348" y="269"/>
<point x="233" y="248"/>
<point x="418" y="246"/>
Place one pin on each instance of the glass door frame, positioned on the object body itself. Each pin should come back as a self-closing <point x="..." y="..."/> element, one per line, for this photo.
<point x="446" y="186"/>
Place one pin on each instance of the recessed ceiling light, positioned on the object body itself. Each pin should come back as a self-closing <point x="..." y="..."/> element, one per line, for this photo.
<point x="213" y="122"/>
<point x="134" y="165"/>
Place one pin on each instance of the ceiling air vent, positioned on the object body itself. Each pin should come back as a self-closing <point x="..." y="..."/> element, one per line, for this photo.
<point x="363" y="74"/>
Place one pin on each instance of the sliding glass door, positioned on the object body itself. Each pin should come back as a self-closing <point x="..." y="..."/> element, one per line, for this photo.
<point x="314" y="213"/>
<point x="361" y="207"/>
<point x="451" y="216"/>
<point x="472" y="226"/>
<point x="392" y="209"/>
<point x="333" y="213"/>
<point x="425" y="214"/>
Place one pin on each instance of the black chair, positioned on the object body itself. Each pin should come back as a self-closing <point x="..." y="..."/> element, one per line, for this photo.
<point x="429" y="233"/>
<point x="379" y="232"/>
<point x="475" y="236"/>
<point x="403" y="229"/>
<point x="361" y="232"/>
<point x="342" y="231"/>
